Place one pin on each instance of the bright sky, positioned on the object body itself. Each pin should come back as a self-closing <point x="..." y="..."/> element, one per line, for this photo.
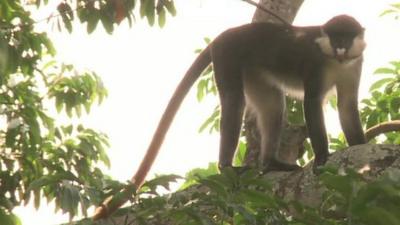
<point x="141" y="67"/>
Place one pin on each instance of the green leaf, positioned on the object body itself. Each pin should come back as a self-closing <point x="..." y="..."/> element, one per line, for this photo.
<point x="10" y="137"/>
<point x="70" y="198"/>
<point x="122" y="195"/>
<point x="258" y="198"/>
<point x="372" y="120"/>
<point x="378" y="216"/>
<point x="387" y="11"/>
<point x="107" y="23"/>
<point x="378" y="84"/>
<point x="163" y="180"/>
<point x="59" y="104"/>
<point x="240" y="155"/>
<point x="51" y="179"/>
<point x="92" y="21"/>
<point x="215" y="186"/>
<point x="384" y="71"/>
<point x="201" y="89"/>
<point x="49" y="46"/>
<point x="207" y="40"/>
<point x="65" y="11"/>
<point x="395" y="104"/>
<point x="37" y="198"/>
<point x="68" y="129"/>
<point x="67" y="24"/>
<point x="342" y="184"/>
<point x="78" y="110"/>
<point x="161" y="17"/>
<point x="9" y="218"/>
<point x="169" y="4"/>
<point x="243" y="216"/>
<point x="150" y="11"/>
<point x="49" y="64"/>
<point x="48" y="122"/>
<point x="143" y="6"/>
<point x="211" y="121"/>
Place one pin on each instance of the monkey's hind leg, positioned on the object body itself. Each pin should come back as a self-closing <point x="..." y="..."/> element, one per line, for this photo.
<point x="230" y="88"/>
<point x="267" y="102"/>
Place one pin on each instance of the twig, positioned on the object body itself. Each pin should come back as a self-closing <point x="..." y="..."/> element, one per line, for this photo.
<point x="268" y="11"/>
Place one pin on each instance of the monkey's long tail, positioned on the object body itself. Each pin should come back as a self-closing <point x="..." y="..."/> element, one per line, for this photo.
<point x="111" y="204"/>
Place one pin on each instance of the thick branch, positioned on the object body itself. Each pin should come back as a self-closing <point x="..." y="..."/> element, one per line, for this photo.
<point x="382" y="128"/>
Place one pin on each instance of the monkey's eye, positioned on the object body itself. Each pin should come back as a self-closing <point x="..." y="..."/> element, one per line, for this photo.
<point x="341" y="42"/>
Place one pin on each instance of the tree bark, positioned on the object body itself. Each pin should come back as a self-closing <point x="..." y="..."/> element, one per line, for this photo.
<point x="371" y="160"/>
<point x="287" y="10"/>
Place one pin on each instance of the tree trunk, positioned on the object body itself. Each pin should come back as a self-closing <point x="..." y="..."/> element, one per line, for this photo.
<point x="287" y="10"/>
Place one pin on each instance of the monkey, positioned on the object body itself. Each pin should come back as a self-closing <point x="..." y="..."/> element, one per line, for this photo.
<point x="255" y="66"/>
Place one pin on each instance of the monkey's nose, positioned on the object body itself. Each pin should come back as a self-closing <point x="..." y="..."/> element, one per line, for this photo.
<point x="340" y="54"/>
<point x="340" y="51"/>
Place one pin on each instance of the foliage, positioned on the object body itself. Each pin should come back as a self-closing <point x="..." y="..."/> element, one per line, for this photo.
<point x="111" y="13"/>
<point x="247" y="198"/>
<point x="393" y="10"/>
<point x="39" y="155"/>
<point x="359" y="201"/>
<point x="384" y="104"/>
<point x="337" y="143"/>
<point x="194" y="175"/>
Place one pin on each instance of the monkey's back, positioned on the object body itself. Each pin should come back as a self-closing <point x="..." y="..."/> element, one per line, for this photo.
<point x="273" y="46"/>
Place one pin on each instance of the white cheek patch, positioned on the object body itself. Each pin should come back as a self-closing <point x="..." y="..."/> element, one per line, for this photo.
<point x="325" y="45"/>
<point x="357" y="47"/>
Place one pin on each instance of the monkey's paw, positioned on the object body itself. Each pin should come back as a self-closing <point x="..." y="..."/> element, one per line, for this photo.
<point x="319" y="162"/>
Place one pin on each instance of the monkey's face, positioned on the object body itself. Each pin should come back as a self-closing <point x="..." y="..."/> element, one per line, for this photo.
<point x="341" y="46"/>
<point x="346" y="46"/>
<point x="342" y="38"/>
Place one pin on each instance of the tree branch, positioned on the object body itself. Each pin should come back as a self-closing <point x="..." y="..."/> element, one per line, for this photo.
<point x="381" y="128"/>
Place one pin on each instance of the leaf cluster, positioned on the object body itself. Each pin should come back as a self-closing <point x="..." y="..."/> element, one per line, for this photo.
<point x="393" y="10"/>
<point x="384" y="104"/>
<point x="226" y="198"/>
<point x="76" y="90"/>
<point x="41" y="158"/>
<point x="247" y="198"/>
<point x="113" y="12"/>
<point x="351" y="199"/>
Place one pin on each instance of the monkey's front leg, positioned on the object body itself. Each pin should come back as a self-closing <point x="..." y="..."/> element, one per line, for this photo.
<point x="347" y="92"/>
<point x="270" y="115"/>
<point x="316" y="127"/>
